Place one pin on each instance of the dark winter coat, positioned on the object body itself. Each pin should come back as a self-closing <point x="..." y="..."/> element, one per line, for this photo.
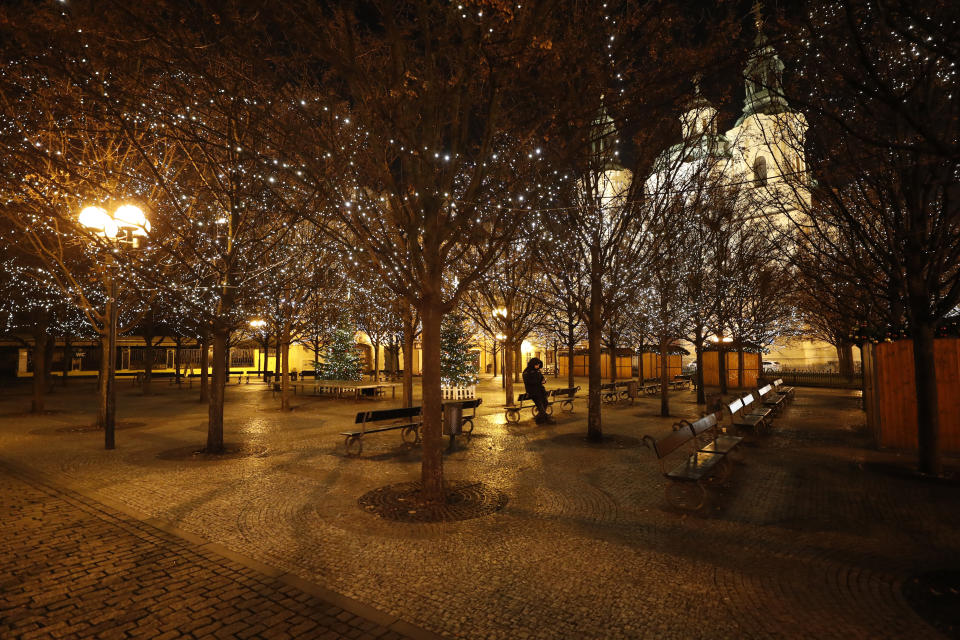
<point x="533" y="382"/>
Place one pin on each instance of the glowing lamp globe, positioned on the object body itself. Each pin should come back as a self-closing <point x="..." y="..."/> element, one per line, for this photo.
<point x="94" y="218"/>
<point x="131" y="217"/>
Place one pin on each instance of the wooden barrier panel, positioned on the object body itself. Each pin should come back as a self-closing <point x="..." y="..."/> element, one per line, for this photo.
<point x="891" y="398"/>
<point x="580" y="366"/>
<point x="651" y="365"/>
<point x="751" y="369"/>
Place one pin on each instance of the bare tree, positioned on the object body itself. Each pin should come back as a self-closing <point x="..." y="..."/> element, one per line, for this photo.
<point x="433" y="124"/>
<point x="879" y="89"/>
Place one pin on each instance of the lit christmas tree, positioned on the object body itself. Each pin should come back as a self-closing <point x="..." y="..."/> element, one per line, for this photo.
<point x="340" y="358"/>
<point x="457" y="368"/>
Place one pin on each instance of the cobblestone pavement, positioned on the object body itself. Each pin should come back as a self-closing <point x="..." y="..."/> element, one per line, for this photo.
<point x="74" y="568"/>
<point x="813" y="536"/>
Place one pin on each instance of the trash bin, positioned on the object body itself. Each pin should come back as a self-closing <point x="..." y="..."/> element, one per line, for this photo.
<point x="632" y="391"/>
<point x="452" y="419"/>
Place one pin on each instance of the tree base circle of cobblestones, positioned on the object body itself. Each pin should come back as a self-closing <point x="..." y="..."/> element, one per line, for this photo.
<point x="609" y="441"/>
<point x="935" y="597"/>
<point x="403" y="502"/>
<point x="231" y="451"/>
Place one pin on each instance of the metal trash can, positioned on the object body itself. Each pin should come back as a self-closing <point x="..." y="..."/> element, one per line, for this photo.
<point x="632" y="389"/>
<point x="452" y="419"/>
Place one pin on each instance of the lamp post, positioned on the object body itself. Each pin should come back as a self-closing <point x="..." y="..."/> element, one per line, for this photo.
<point x="124" y="227"/>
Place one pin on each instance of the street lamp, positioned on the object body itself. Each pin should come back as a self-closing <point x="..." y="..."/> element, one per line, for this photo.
<point x="125" y="226"/>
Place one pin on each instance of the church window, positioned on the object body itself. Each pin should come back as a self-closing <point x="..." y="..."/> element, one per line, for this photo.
<point x="760" y="171"/>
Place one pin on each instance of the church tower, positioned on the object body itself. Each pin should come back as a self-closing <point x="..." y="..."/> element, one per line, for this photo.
<point x="769" y="136"/>
<point x="763" y="77"/>
<point x="613" y="180"/>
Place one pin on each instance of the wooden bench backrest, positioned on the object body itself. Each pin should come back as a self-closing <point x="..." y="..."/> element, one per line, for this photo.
<point x="765" y="390"/>
<point x="608" y="385"/>
<point x="387" y="414"/>
<point x="570" y="392"/>
<point x="671" y="442"/>
<point x="747" y="400"/>
<point x="777" y="383"/>
<point x="735" y="406"/>
<point x="704" y="424"/>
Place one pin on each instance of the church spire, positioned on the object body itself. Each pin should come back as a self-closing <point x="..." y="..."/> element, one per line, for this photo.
<point x="603" y="146"/>
<point x="763" y="75"/>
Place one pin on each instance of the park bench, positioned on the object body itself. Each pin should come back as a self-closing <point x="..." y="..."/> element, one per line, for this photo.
<point x="679" y="383"/>
<point x="608" y="392"/>
<point x="768" y="398"/>
<point x="686" y="480"/>
<point x="710" y="436"/>
<point x="651" y="386"/>
<point x="406" y="420"/>
<point x="782" y="389"/>
<point x="564" y="397"/>
<point x="741" y="415"/>
<point x="524" y="401"/>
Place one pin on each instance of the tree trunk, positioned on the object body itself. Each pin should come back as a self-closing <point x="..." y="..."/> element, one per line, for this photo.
<point x="408" y="336"/>
<point x="722" y="368"/>
<point x="204" y="367"/>
<point x="316" y="355"/>
<point x="845" y="359"/>
<point x="376" y="360"/>
<point x="517" y="363"/>
<point x="928" y="412"/>
<point x="640" y="366"/>
<point x="217" y="385"/>
<point x="494" y="357"/>
<point x="67" y="357"/>
<point x="613" y="360"/>
<point x="431" y="472"/>
<point x="48" y="363"/>
<point x="740" y="367"/>
<point x="147" y="364"/>
<point x="571" y="358"/>
<point x="40" y="341"/>
<point x="508" y="366"/>
<point x="556" y="361"/>
<point x="177" y="345"/>
<point x="594" y="329"/>
<point x="284" y="346"/>
<point x="664" y="380"/>
<point x="701" y="394"/>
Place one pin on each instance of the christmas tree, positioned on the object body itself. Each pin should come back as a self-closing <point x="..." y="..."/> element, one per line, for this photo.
<point x="340" y="358"/>
<point x="457" y="368"/>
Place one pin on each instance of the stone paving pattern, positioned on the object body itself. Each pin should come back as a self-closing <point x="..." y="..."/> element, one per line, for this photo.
<point x="813" y="536"/>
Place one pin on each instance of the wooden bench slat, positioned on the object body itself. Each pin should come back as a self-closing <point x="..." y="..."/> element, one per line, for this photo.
<point x="387" y="414"/>
<point x="390" y="427"/>
<point x="722" y="444"/>
<point x="696" y="466"/>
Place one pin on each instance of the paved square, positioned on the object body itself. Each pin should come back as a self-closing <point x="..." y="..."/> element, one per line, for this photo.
<point x="814" y="535"/>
